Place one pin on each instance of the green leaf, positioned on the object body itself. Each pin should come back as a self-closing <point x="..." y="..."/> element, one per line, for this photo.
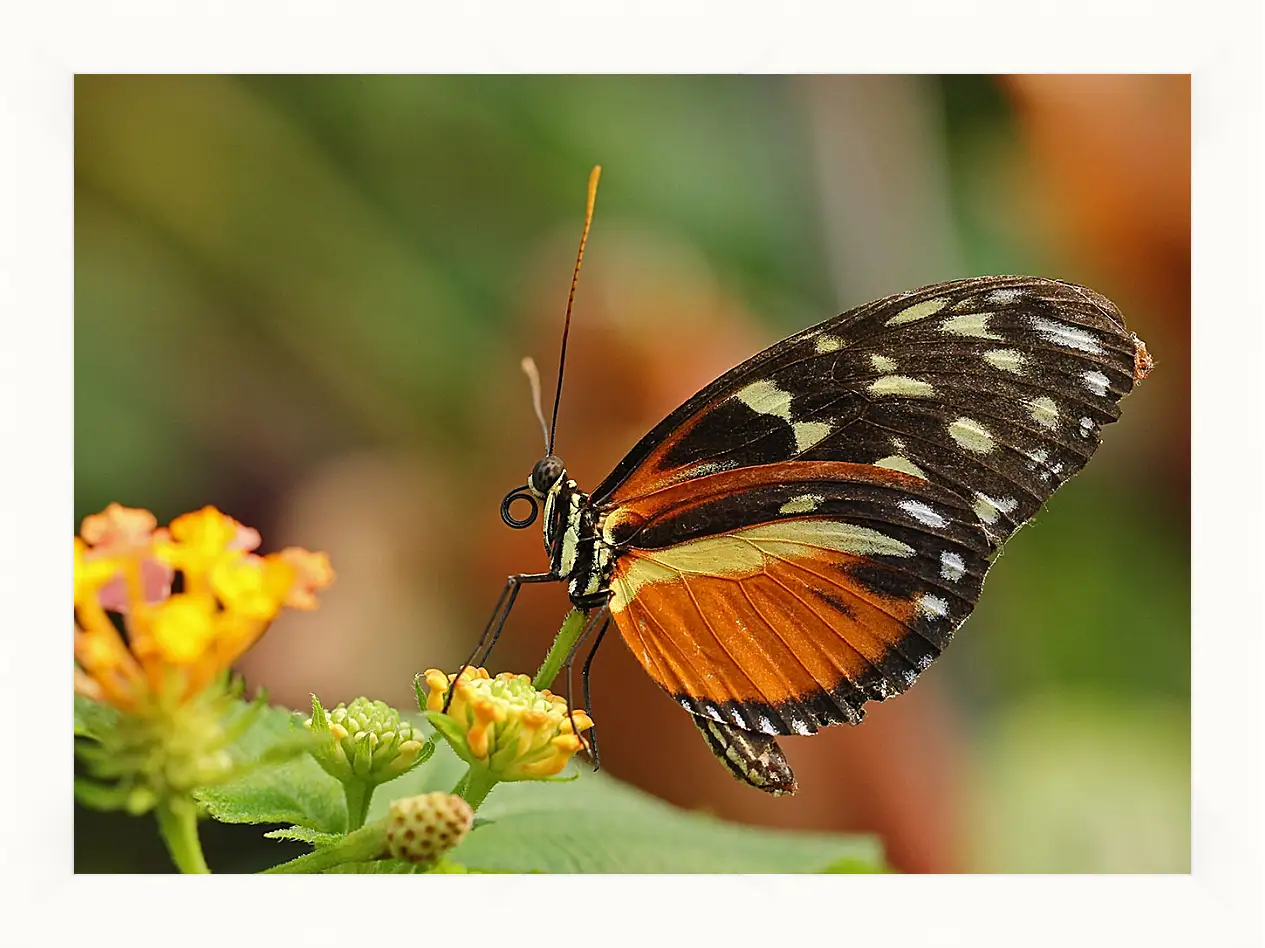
<point x="302" y="834"/>
<point x="297" y="791"/>
<point x="93" y="718"/>
<point x="597" y="824"/>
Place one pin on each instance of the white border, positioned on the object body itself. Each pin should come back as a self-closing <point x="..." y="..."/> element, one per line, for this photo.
<point x="42" y="45"/>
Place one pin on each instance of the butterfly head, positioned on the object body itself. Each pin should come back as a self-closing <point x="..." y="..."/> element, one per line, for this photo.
<point x="546" y="478"/>
<point x="548" y="471"/>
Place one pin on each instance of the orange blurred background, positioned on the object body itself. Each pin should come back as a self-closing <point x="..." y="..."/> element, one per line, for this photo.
<point x="304" y="299"/>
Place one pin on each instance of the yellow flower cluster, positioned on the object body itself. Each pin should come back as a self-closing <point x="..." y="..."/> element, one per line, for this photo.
<point x="504" y="724"/>
<point x="176" y="643"/>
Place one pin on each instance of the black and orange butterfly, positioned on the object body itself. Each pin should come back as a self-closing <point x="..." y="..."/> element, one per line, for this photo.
<point x="807" y="532"/>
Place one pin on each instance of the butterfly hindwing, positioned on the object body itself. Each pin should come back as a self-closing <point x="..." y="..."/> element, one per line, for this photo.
<point x="781" y="598"/>
<point x="994" y="387"/>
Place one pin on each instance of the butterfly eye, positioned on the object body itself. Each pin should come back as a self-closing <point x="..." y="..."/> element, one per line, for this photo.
<point x="545" y="474"/>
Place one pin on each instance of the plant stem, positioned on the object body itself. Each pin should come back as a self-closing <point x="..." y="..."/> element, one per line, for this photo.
<point x="178" y="825"/>
<point x="358" y="794"/>
<point x="475" y="786"/>
<point x="563" y="642"/>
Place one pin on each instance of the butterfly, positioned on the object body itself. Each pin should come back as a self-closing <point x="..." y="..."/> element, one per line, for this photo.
<point x="806" y="533"/>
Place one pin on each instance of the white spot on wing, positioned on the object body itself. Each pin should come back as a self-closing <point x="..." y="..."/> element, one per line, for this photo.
<point x="952" y="567"/>
<point x="930" y="605"/>
<point x="1005" y="294"/>
<point x="799" y="725"/>
<point x="1087" y="427"/>
<point x="1062" y="334"/>
<point x="990" y="509"/>
<point x="918" y="311"/>
<point x="923" y="513"/>
<point x="901" y="385"/>
<point x="1096" y="382"/>
<point x="971" y="435"/>
<point x="882" y="363"/>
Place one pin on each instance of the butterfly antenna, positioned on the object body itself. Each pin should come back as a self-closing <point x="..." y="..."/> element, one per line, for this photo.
<point x="575" y="275"/>
<point x="533" y="378"/>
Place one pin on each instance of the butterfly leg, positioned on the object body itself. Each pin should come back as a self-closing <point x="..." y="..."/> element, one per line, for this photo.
<point x="755" y="759"/>
<point x="584" y="685"/>
<point x="492" y="631"/>
<point x="598" y="621"/>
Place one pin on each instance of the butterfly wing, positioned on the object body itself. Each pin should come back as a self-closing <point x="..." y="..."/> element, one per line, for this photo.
<point x="994" y="388"/>
<point x="780" y="598"/>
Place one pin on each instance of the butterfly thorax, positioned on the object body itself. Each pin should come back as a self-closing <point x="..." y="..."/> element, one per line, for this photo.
<point x="576" y="550"/>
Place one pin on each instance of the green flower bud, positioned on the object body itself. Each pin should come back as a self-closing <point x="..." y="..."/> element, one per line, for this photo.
<point x="421" y="829"/>
<point x="364" y="741"/>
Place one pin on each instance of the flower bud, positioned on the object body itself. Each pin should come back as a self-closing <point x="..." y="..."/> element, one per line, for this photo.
<point x="365" y="740"/>
<point x="421" y="829"/>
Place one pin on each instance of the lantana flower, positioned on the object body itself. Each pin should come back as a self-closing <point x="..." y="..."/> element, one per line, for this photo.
<point x="165" y="674"/>
<point x="503" y="725"/>
<point x="176" y="643"/>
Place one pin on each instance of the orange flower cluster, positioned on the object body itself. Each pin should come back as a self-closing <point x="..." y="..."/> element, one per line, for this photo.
<point x="504" y="724"/>
<point x="176" y="643"/>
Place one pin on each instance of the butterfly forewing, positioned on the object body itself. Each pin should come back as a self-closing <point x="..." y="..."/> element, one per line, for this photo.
<point x="806" y="533"/>
<point x="994" y="388"/>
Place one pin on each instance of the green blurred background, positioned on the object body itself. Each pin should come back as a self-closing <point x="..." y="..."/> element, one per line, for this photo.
<point x="304" y="300"/>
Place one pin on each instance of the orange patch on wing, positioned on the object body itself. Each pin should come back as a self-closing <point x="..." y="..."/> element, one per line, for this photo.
<point x="649" y="497"/>
<point x="790" y="628"/>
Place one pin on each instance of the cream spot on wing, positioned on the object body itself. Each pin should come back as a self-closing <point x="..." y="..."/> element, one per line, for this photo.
<point x="743" y="553"/>
<point x="918" y="311"/>
<point x="827" y="343"/>
<point x="1044" y="412"/>
<point x="1096" y="382"/>
<point x="1008" y="360"/>
<point x="952" y="567"/>
<point x="765" y="398"/>
<point x="898" y="462"/>
<point x="1062" y="334"/>
<point x="923" y="513"/>
<point x="901" y="385"/>
<point x="930" y="605"/>
<point x="971" y="435"/>
<point x="990" y="509"/>
<point x="808" y="433"/>
<point x="804" y="503"/>
<point x="882" y="363"/>
<point x="823" y="534"/>
<point x="969" y="324"/>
